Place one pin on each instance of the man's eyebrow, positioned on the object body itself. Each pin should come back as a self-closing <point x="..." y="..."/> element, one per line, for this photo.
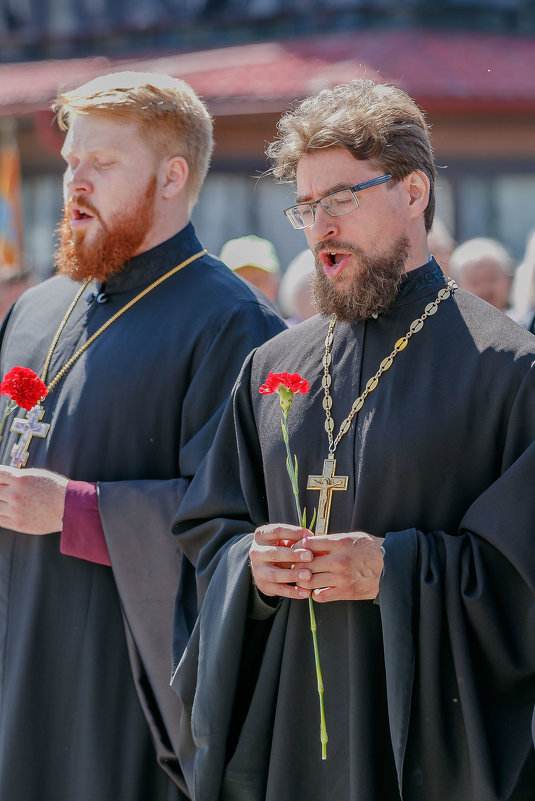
<point x="335" y="188"/>
<point x="97" y="151"/>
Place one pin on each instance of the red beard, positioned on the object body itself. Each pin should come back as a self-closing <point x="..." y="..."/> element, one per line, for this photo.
<point x="111" y="247"/>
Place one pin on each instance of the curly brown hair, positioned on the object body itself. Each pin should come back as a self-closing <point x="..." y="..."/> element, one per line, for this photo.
<point x="374" y="122"/>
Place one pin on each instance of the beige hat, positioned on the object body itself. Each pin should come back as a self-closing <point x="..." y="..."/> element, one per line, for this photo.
<point x="250" y="251"/>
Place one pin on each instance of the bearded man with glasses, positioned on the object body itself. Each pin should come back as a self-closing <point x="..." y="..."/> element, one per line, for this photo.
<point x="421" y="411"/>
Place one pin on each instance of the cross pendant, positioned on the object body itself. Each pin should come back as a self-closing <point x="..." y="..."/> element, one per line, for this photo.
<point x="326" y="484"/>
<point x="27" y="427"/>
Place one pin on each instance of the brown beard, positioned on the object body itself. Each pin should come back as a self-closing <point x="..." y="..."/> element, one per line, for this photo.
<point x="374" y="286"/>
<point x="114" y="245"/>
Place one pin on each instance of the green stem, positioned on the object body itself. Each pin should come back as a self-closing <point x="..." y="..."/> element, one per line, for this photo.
<point x="323" y="727"/>
<point x="11" y="406"/>
<point x="290" y="468"/>
<point x="313" y="627"/>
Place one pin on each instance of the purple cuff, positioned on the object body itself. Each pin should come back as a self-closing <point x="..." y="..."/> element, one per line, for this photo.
<point x="82" y="535"/>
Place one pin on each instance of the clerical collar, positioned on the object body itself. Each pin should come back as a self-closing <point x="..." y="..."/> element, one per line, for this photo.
<point x="422" y="278"/>
<point x="148" y="266"/>
<point x="416" y="282"/>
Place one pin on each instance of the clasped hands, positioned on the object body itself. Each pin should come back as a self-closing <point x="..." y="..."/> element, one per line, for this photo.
<point x="32" y="501"/>
<point x="289" y="561"/>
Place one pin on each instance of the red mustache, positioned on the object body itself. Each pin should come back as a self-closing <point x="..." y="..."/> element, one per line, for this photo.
<point x="83" y="205"/>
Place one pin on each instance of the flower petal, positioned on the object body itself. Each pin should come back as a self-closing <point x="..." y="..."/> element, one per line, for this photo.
<point x="24" y="387"/>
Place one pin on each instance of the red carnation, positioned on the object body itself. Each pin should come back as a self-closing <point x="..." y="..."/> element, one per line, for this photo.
<point x="287" y="385"/>
<point x="24" y="387"/>
<point x="291" y="381"/>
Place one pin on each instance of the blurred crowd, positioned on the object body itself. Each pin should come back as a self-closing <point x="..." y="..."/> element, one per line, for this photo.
<point x="482" y="266"/>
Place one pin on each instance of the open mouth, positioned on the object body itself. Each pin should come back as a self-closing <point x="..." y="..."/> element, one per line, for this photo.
<point x="333" y="258"/>
<point x="334" y="261"/>
<point x="79" y="214"/>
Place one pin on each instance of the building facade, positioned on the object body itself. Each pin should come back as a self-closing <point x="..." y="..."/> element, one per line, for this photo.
<point x="469" y="65"/>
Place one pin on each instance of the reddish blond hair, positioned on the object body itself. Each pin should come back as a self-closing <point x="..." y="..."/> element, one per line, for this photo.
<point x="170" y="116"/>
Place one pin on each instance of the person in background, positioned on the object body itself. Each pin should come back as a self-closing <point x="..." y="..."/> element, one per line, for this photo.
<point x="254" y="259"/>
<point x="138" y="338"/>
<point x="441" y="244"/>
<point x="523" y="292"/>
<point x="484" y="267"/>
<point x="296" y="297"/>
<point x="11" y="287"/>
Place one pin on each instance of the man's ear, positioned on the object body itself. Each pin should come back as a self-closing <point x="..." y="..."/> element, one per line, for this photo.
<point x="175" y="172"/>
<point x="418" y="187"/>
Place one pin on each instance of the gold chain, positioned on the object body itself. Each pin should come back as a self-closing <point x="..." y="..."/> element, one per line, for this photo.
<point x="60" y="329"/>
<point x="385" y="365"/>
<point x="68" y="364"/>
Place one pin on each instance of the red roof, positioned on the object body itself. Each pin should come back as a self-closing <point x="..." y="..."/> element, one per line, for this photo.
<point x="452" y="70"/>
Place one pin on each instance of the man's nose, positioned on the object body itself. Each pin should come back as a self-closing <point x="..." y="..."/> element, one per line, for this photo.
<point x="77" y="180"/>
<point x="324" y="226"/>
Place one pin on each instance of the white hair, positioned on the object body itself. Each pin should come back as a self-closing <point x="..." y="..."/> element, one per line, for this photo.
<point x="476" y="249"/>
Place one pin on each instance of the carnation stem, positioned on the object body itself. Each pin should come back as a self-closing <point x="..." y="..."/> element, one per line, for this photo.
<point x="301" y="516"/>
<point x="323" y="726"/>
<point x="11" y="406"/>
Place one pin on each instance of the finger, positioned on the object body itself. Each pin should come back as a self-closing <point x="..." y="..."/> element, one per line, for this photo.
<point x="6" y="521"/>
<point x="273" y="533"/>
<point x="6" y="475"/>
<point x="322" y="566"/>
<point x="293" y="591"/>
<point x="332" y="543"/>
<point x="269" y="554"/>
<point x="291" y="555"/>
<point x="317" y="581"/>
<point x="325" y="594"/>
<point x="270" y="573"/>
<point x="319" y="545"/>
<point x="283" y="590"/>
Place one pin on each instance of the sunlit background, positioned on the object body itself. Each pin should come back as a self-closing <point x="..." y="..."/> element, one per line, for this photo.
<point x="470" y="65"/>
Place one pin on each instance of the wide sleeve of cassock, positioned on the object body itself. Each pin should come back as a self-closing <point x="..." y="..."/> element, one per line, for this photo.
<point x="215" y="534"/>
<point x="137" y="517"/>
<point x="207" y="525"/>
<point x="458" y="617"/>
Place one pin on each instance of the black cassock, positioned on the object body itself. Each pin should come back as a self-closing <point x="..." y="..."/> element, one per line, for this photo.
<point x="431" y="687"/>
<point x="85" y="650"/>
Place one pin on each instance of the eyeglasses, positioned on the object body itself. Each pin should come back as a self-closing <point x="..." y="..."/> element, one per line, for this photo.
<point x="336" y="204"/>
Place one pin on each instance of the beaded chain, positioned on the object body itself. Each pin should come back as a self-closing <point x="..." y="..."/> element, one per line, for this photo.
<point x="385" y="365"/>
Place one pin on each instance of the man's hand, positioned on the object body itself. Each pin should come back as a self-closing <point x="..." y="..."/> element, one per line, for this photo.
<point x="345" y="567"/>
<point x="277" y="564"/>
<point x="32" y="501"/>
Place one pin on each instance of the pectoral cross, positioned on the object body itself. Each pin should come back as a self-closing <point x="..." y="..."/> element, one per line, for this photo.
<point x="326" y="484"/>
<point x="27" y="427"/>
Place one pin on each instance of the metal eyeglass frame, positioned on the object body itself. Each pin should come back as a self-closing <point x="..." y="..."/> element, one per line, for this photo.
<point x="291" y="211"/>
